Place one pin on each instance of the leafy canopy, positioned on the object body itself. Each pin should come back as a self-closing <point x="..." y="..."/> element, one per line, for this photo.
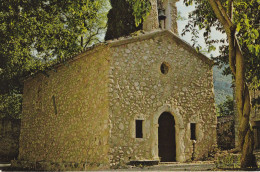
<point x="246" y="19"/>
<point x="141" y="9"/>
<point x="35" y="34"/>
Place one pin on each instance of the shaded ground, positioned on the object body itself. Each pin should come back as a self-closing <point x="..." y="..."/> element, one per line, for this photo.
<point x="174" y="166"/>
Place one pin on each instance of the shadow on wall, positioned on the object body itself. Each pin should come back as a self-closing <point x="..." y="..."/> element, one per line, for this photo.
<point x="226" y="132"/>
<point x="9" y="139"/>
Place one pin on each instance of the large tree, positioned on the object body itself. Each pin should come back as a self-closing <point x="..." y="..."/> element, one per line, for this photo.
<point x="36" y="33"/>
<point x="239" y="20"/>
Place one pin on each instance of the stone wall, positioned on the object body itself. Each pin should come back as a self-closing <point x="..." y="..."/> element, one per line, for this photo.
<point x="82" y="115"/>
<point x="226" y="132"/>
<point x="65" y="113"/>
<point x="140" y="91"/>
<point x="9" y="139"/>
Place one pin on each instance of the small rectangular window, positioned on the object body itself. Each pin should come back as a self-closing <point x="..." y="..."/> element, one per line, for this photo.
<point x="139" y="128"/>
<point x="193" y="131"/>
<point x="54" y="105"/>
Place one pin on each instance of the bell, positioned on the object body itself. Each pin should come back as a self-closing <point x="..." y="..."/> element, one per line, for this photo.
<point x="161" y="14"/>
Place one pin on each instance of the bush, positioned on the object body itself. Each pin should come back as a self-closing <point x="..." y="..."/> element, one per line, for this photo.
<point x="11" y="105"/>
<point x="226" y="108"/>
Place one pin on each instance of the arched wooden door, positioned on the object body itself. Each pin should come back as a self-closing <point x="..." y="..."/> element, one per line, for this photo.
<point x="166" y="137"/>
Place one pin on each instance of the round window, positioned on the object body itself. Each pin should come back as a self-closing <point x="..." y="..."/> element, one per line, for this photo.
<point x="164" y="68"/>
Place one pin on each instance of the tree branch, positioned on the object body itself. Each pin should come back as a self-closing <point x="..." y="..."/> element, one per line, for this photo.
<point x="224" y="13"/>
<point x="90" y="38"/>
<point x="240" y="78"/>
<point x="232" y="52"/>
<point x="230" y="9"/>
<point x="219" y="14"/>
<point x="247" y="102"/>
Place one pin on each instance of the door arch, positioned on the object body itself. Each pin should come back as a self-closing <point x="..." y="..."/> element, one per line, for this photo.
<point x="166" y="137"/>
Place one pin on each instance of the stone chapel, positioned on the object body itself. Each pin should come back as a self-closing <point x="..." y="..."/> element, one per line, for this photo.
<point x="146" y="98"/>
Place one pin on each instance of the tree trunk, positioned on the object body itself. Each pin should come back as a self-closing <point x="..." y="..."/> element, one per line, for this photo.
<point x="237" y="66"/>
<point x="245" y="133"/>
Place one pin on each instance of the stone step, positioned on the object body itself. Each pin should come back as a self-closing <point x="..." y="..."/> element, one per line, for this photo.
<point x="177" y="166"/>
<point x="166" y="163"/>
<point x="4" y="165"/>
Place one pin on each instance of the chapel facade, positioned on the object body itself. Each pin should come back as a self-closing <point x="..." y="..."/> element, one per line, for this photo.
<point x="147" y="98"/>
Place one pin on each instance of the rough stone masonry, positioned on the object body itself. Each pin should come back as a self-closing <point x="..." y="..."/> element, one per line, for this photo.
<point x="86" y="112"/>
<point x="147" y="98"/>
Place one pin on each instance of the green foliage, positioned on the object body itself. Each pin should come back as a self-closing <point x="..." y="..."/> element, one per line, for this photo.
<point x="226" y="108"/>
<point x="246" y="19"/>
<point x="141" y="9"/>
<point x="10" y="105"/>
<point x="36" y="34"/>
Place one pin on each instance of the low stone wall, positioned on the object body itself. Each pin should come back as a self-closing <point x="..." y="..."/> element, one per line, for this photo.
<point x="226" y="132"/>
<point x="9" y="138"/>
